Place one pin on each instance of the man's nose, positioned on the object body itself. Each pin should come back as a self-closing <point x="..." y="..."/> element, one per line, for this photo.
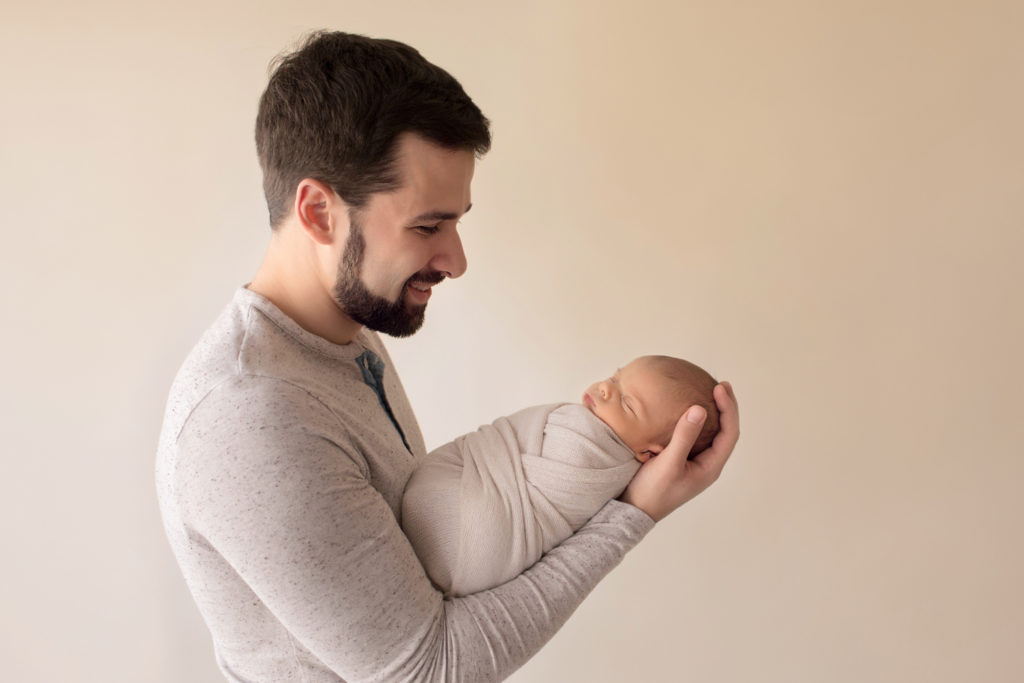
<point x="450" y="258"/>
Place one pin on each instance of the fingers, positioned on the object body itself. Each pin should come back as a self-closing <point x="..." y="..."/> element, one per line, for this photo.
<point x="729" y="413"/>
<point x="685" y="435"/>
<point x="669" y="480"/>
<point x="715" y="456"/>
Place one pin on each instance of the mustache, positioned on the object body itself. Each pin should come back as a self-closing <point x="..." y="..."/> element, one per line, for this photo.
<point x="429" y="278"/>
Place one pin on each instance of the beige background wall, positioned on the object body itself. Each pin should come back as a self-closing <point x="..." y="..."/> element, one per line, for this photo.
<point x="822" y="202"/>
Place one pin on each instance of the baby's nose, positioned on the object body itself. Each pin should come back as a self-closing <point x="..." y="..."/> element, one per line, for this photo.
<point x="605" y="390"/>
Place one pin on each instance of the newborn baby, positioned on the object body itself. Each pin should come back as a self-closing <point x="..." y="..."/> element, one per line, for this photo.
<point x="485" y="507"/>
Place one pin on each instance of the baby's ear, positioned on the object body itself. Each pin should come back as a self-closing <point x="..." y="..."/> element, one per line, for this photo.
<point x="645" y="455"/>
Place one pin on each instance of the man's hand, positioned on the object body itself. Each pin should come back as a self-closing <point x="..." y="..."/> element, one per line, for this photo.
<point x="668" y="479"/>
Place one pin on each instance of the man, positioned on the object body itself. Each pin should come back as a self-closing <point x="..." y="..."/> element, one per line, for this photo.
<point x="288" y="439"/>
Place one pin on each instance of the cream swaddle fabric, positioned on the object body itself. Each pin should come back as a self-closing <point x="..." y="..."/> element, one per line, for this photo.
<point x="484" y="507"/>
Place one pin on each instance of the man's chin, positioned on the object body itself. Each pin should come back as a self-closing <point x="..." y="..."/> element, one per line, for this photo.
<point x="409" y="328"/>
<point x="414" y="309"/>
<point x="398" y="318"/>
<point x="405" y="325"/>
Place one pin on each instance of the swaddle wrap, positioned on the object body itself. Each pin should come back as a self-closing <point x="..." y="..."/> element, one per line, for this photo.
<point x="484" y="507"/>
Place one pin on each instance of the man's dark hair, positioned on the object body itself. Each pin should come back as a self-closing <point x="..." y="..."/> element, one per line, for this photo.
<point x="335" y="108"/>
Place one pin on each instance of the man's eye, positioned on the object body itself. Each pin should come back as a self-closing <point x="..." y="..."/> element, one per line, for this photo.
<point x="428" y="229"/>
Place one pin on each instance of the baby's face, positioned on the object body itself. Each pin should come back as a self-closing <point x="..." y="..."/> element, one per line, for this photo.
<point x="635" y="402"/>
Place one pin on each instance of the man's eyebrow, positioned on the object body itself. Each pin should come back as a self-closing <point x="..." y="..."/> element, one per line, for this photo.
<point x="439" y="215"/>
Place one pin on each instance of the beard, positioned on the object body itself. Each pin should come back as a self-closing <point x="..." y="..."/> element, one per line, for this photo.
<point x="393" y="318"/>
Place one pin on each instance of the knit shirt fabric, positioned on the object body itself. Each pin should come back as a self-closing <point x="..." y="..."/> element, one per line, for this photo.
<point x="280" y="475"/>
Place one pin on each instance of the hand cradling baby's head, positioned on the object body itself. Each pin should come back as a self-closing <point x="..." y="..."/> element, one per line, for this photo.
<point x="643" y="401"/>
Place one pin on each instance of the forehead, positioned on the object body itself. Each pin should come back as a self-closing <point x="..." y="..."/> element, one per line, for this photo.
<point x="658" y="393"/>
<point x="641" y="376"/>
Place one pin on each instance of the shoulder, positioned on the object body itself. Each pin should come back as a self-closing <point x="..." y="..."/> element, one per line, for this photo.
<point x="251" y="428"/>
<point x="258" y="401"/>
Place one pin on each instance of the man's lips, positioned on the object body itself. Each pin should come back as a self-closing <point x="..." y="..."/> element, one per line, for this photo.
<point x="419" y="291"/>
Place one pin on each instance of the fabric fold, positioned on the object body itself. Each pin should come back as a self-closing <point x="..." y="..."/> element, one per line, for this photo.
<point x="523" y="484"/>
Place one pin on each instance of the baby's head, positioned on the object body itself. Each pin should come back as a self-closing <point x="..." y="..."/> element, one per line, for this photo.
<point x="643" y="401"/>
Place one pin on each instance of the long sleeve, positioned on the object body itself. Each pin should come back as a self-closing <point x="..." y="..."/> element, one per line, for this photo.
<point x="280" y="474"/>
<point x="291" y="548"/>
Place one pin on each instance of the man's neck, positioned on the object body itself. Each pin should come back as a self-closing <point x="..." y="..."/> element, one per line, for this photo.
<point x="293" y="286"/>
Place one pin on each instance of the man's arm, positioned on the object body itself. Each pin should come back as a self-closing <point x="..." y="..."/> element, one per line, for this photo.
<point x="296" y="517"/>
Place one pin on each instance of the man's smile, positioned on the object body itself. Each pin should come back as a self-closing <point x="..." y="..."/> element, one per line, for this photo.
<point x="419" y="292"/>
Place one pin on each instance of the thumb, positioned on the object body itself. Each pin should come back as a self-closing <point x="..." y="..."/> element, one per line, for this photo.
<point x="685" y="434"/>
<point x="661" y="484"/>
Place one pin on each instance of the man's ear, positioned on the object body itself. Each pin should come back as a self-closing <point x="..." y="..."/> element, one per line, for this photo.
<point x="317" y="208"/>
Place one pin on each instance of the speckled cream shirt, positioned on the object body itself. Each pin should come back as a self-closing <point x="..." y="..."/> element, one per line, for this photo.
<point x="280" y="475"/>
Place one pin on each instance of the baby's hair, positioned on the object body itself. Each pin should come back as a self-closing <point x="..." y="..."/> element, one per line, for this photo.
<point x="690" y="384"/>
